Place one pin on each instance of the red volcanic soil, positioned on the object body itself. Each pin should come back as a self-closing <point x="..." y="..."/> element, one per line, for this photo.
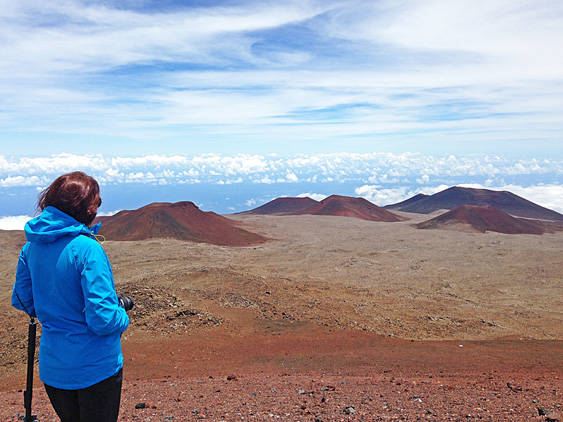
<point x="456" y="196"/>
<point x="484" y="219"/>
<point x="182" y="221"/>
<point x="283" y="206"/>
<point x="313" y="375"/>
<point x="346" y="206"/>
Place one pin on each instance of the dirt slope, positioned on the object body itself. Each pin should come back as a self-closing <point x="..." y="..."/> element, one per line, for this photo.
<point x="334" y="319"/>
<point x="334" y="205"/>
<point x="345" y="206"/>
<point x="182" y="221"/>
<point x="282" y="206"/>
<point x="483" y="219"/>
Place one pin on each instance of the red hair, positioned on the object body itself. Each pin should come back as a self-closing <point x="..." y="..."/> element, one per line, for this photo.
<point x="75" y="194"/>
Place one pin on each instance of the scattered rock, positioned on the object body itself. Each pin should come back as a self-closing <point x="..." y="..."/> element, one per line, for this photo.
<point x="554" y="416"/>
<point x="350" y="410"/>
<point x="514" y="387"/>
<point x="147" y="405"/>
<point x="542" y="411"/>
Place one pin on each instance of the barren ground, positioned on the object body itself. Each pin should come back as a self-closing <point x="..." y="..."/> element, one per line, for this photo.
<point x="334" y="319"/>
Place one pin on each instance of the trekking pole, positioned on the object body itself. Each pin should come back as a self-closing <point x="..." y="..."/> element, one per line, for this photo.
<point x="28" y="393"/>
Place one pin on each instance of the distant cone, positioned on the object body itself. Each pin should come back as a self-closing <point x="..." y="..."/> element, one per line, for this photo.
<point x="456" y="196"/>
<point x="347" y="206"/>
<point x="182" y="221"/>
<point x="335" y="205"/>
<point x="483" y="219"/>
<point x="283" y="206"/>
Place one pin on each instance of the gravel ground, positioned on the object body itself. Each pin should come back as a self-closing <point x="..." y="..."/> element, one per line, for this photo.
<point x="324" y="398"/>
<point x="316" y="374"/>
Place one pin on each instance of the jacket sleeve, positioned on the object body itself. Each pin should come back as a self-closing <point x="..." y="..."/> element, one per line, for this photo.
<point x="103" y="314"/>
<point x="22" y="294"/>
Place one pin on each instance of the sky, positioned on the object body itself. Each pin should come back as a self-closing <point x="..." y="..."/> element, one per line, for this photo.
<point x="232" y="103"/>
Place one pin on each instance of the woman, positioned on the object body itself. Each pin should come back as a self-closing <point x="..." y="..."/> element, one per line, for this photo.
<point x="64" y="278"/>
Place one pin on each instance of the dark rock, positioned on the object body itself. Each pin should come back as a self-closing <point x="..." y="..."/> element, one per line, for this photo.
<point x="514" y="387"/>
<point x="542" y="411"/>
<point x="147" y="405"/>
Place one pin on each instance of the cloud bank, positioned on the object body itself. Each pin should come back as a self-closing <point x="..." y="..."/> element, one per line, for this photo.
<point x="374" y="168"/>
<point x="383" y="178"/>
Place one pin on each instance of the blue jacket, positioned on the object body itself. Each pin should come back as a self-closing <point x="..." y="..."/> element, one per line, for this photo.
<point x="64" y="278"/>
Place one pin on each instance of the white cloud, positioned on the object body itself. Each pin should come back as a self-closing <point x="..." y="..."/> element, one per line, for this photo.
<point x="375" y="168"/>
<point x="382" y="178"/>
<point x="71" y="36"/>
<point x="382" y="197"/>
<point x="387" y="196"/>
<point x="291" y="177"/>
<point x="108" y="213"/>
<point x="14" y="222"/>
<point x="21" y="181"/>
<point x="459" y="73"/>
<point x="315" y="196"/>
<point x="549" y="196"/>
<point x="423" y="180"/>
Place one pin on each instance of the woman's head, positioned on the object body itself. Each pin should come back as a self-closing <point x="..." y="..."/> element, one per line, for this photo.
<point x="75" y="194"/>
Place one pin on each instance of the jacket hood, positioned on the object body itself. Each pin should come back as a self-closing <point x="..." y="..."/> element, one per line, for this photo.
<point x="52" y="224"/>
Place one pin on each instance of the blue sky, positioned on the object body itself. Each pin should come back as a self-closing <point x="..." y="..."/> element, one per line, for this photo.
<point x="298" y="79"/>
<point x="302" y="76"/>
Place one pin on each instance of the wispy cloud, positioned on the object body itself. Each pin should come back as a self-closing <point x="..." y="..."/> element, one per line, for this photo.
<point x="300" y="75"/>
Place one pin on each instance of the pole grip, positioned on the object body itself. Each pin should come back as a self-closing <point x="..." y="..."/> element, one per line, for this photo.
<point x="28" y="393"/>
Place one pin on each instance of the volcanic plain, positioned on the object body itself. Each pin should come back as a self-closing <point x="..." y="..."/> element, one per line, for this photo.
<point x="332" y="318"/>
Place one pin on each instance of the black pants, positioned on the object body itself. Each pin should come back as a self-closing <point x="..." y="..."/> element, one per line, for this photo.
<point x="97" y="403"/>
